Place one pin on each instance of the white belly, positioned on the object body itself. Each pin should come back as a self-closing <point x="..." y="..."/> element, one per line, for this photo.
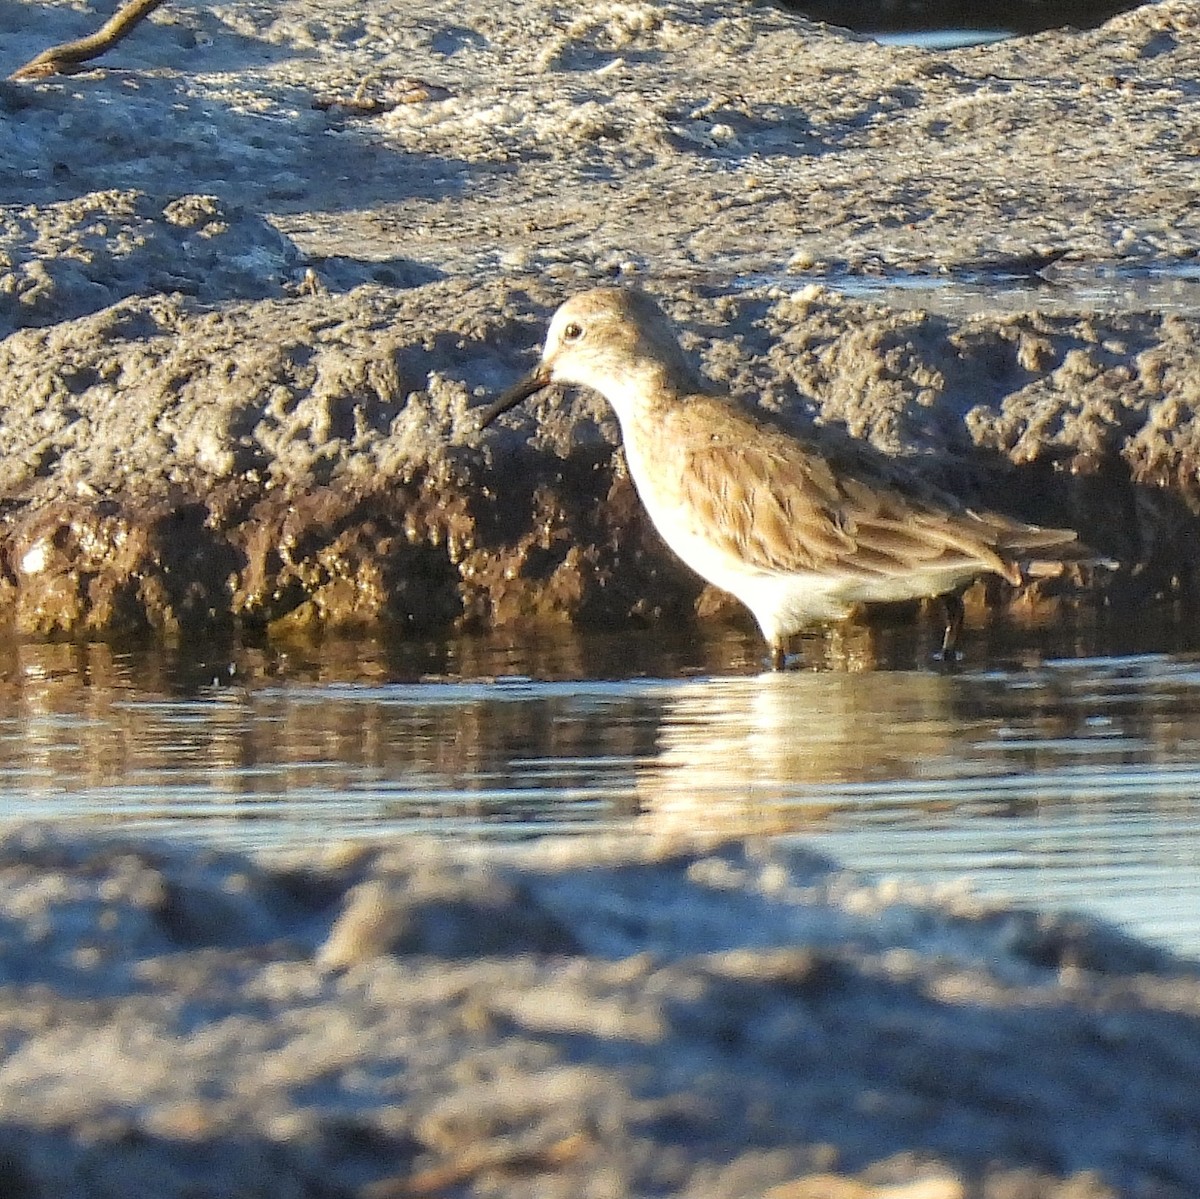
<point x="781" y="603"/>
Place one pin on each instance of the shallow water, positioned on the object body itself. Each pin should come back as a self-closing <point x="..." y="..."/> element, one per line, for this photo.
<point x="940" y="39"/>
<point x="1061" y="287"/>
<point x="1039" y="769"/>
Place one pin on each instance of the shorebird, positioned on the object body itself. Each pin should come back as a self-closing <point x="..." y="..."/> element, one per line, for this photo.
<point x="802" y="532"/>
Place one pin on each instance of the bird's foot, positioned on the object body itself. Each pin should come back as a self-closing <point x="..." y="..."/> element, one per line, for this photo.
<point x="952" y="602"/>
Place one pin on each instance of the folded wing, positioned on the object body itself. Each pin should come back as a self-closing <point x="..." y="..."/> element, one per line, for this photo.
<point x="783" y="508"/>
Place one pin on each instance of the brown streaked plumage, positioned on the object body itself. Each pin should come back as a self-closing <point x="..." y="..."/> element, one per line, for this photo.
<point x="800" y="532"/>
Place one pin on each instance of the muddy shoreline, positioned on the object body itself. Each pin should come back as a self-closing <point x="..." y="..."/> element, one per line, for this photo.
<point x="257" y="269"/>
<point x="345" y="498"/>
<point x="254" y="278"/>
<point x="571" y="1019"/>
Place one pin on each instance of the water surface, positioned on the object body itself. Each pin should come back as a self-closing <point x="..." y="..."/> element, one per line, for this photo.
<point x="1039" y="769"/>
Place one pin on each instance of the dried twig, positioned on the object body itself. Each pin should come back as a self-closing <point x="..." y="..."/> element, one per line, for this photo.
<point x="480" y="1159"/>
<point x="61" y="60"/>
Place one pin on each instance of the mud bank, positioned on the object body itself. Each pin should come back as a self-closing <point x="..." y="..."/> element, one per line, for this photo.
<point x="257" y="267"/>
<point x="560" y="1020"/>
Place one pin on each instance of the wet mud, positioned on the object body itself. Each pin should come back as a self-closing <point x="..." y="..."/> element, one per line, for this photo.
<point x="568" y="1020"/>
<point x="254" y="279"/>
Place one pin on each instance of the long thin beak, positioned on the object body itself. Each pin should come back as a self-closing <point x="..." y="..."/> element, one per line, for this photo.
<point x="533" y="382"/>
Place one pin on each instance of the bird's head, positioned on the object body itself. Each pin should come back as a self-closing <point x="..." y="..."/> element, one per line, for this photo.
<point x="615" y="340"/>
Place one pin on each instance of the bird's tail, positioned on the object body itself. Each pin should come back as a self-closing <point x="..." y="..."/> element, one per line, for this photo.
<point x="1037" y="552"/>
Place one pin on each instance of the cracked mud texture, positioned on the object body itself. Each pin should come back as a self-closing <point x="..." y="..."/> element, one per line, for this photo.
<point x="258" y="265"/>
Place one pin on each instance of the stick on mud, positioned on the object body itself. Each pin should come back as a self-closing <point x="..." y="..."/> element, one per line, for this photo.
<point x="62" y="60"/>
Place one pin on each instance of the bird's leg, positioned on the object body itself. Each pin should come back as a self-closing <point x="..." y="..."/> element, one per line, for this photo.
<point x="778" y="653"/>
<point x="952" y="601"/>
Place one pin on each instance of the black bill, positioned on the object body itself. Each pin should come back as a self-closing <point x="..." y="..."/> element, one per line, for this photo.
<point x="533" y="382"/>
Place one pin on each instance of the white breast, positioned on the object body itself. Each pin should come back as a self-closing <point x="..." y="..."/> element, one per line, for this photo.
<point x="781" y="603"/>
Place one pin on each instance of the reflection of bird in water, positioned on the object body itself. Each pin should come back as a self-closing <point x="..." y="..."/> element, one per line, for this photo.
<point x="801" y="533"/>
<point x="750" y="755"/>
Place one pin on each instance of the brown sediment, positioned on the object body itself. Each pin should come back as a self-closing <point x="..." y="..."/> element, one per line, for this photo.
<point x="414" y="555"/>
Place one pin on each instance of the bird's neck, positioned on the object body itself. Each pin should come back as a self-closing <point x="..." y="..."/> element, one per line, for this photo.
<point x="638" y="393"/>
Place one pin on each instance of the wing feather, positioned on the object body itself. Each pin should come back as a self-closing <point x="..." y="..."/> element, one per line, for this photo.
<point x="783" y="507"/>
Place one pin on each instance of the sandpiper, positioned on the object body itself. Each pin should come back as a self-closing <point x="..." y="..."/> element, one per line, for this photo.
<point x="799" y="531"/>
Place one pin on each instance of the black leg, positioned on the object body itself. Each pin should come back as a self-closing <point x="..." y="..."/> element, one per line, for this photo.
<point x="954" y="623"/>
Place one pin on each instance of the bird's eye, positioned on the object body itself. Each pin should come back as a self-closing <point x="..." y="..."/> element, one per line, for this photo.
<point x="572" y="332"/>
